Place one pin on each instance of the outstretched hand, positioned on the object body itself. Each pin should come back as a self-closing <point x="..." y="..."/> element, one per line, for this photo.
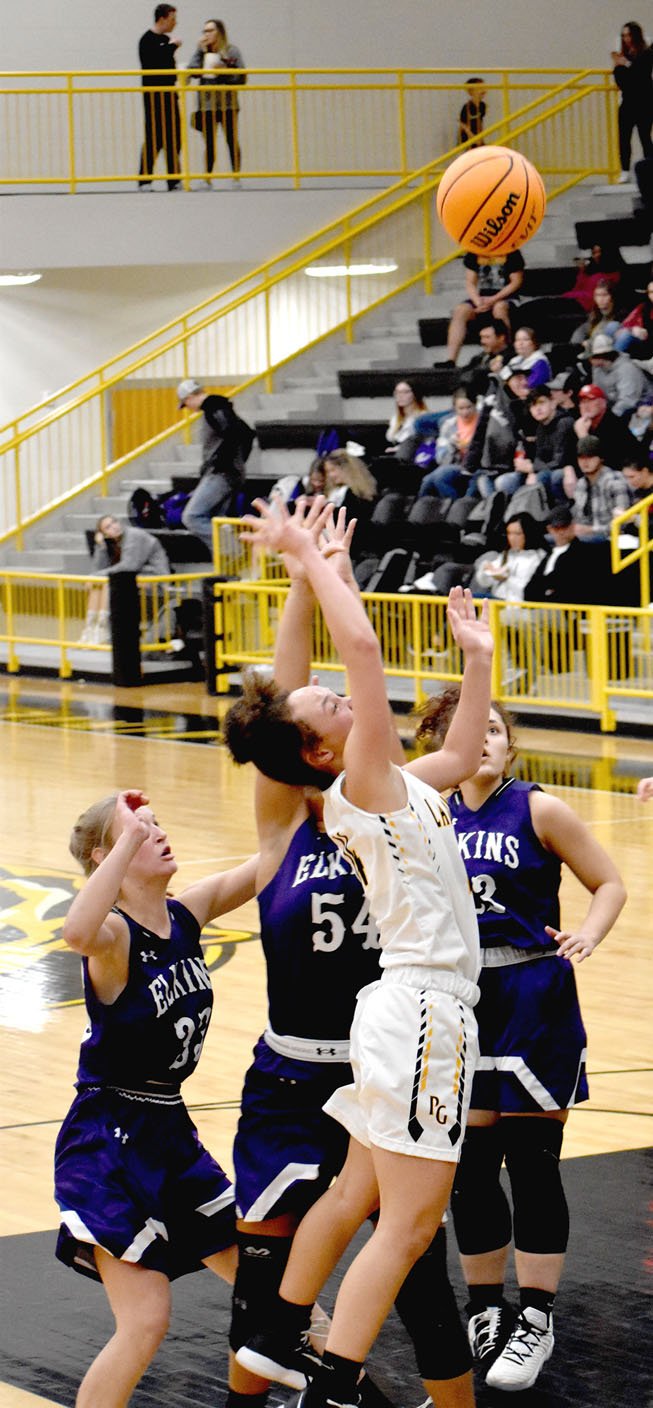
<point x="471" y="632"/>
<point x="276" y="531"/>
<point x="645" y="789"/>
<point x="335" y="543"/>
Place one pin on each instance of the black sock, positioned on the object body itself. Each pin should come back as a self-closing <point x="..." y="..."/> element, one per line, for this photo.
<point x="482" y="1296"/>
<point x="245" y="1400"/>
<point x="539" y="1300"/>
<point x="337" y="1380"/>
<point x="291" y="1320"/>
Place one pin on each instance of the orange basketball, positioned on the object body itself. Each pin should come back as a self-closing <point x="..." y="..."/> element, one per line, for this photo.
<point x="491" y="200"/>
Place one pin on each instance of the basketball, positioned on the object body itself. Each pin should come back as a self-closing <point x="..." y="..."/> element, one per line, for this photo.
<point x="491" y="200"/>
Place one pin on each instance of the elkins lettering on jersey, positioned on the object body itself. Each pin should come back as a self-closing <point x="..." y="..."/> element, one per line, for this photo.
<point x="187" y="975"/>
<point x="312" y="867"/>
<point x="489" y="845"/>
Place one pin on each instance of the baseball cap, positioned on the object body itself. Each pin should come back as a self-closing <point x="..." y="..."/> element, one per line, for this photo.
<point x="564" y="381"/>
<point x="589" y="445"/>
<point x="187" y="388"/>
<point x="591" y="393"/>
<point x="602" y="346"/>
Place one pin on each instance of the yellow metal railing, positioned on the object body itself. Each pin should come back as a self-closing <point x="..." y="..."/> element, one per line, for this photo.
<point x="42" y="616"/>
<point x="245" y="334"/>
<point x="642" y="545"/>
<point x="79" y="130"/>
<point x="568" y="659"/>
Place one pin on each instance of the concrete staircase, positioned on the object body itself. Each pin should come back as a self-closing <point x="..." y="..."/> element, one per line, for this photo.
<point x="307" y="394"/>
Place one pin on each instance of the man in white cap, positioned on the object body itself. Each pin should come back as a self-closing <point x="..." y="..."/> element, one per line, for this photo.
<point x="226" y="443"/>
<point x="623" y="382"/>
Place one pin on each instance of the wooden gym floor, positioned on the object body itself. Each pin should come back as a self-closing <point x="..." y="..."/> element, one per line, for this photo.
<point x="64" y="746"/>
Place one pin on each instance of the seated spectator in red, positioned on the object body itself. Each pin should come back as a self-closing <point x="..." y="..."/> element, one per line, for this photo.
<point x="605" y="264"/>
<point x="635" y="335"/>
<point x="600" y="494"/>
<point x="454" y="439"/>
<point x="491" y="285"/>
<point x="409" y="403"/>
<point x="623" y="383"/>
<point x="604" y="316"/>
<point x="595" y="418"/>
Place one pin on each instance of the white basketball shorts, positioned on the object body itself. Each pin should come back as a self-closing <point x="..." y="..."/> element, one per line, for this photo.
<point x="413" y="1053"/>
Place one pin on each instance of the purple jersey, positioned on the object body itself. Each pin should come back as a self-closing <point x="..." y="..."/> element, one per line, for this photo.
<point x="514" y="880"/>
<point x="154" y="1030"/>
<point x="320" y="942"/>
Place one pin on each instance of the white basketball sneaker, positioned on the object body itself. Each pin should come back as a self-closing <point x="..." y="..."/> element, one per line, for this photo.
<point x="529" y="1347"/>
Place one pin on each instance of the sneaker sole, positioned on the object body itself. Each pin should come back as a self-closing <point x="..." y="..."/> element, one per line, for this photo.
<point x="517" y="1388"/>
<point x="269" y="1369"/>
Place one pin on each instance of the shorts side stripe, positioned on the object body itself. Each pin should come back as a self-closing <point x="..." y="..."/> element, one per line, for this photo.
<point x="415" y="1129"/>
<point x="518" y="1067"/>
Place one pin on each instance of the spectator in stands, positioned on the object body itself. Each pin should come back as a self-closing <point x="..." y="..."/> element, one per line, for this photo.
<point x="118" y="548"/>
<point x="491" y="285"/>
<point x="595" y="418"/>
<point x="605" y="263"/>
<point x="291" y="486"/>
<point x="500" y="428"/>
<point x="600" y="494"/>
<point x="623" y="383"/>
<point x="350" y="485"/>
<point x="530" y="358"/>
<point x="454" y="438"/>
<point x="222" y="470"/>
<point x="495" y="351"/>
<point x="641" y="422"/>
<point x="603" y="316"/>
<point x="409" y="403"/>
<point x="472" y="113"/>
<point x="639" y="478"/>
<point x="505" y="577"/>
<point x="561" y="574"/>
<point x="218" y="104"/>
<point x="555" y="447"/>
<point x="635" y="335"/>
<point x="633" y="65"/>
<point x="156" y="50"/>
<point x="563" y="389"/>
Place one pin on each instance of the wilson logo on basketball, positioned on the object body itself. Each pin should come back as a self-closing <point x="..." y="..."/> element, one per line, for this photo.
<point x="495" y="223"/>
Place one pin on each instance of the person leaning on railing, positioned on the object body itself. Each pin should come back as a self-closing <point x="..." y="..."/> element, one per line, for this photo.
<point x="118" y="548"/>
<point x="215" y="56"/>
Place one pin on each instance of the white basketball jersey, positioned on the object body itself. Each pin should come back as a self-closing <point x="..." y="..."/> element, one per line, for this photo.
<point x="410" y="867"/>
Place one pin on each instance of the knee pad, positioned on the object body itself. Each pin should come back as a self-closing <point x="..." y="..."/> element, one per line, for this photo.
<point x="532" y="1151"/>
<point x="480" y="1208"/>
<point x="261" y="1264"/>
<point x="427" y="1307"/>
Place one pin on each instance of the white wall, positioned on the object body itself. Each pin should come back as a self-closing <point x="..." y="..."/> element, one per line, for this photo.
<point x="80" y="313"/>
<point x="275" y="33"/>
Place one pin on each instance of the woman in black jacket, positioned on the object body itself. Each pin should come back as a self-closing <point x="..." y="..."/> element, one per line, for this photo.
<point x="633" y="64"/>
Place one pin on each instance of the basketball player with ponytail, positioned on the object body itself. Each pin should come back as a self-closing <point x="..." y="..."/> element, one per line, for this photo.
<point x="513" y="839"/>
<point x="413" y="1040"/>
